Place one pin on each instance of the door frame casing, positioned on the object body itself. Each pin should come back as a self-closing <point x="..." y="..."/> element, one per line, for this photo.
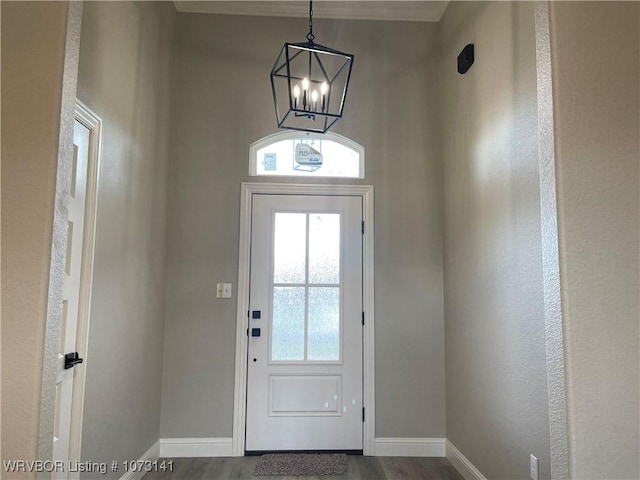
<point x="244" y="257"/>
<point x="92" y="121"/>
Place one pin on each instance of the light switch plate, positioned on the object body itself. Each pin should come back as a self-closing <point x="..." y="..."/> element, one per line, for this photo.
<point x="223" y="290"/>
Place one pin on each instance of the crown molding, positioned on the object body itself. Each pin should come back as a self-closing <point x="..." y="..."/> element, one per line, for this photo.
<point x="395" y="10"/>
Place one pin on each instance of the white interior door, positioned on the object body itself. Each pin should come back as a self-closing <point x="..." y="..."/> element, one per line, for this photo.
<point x="304" y="383"/>
<point x="77" y="292"/>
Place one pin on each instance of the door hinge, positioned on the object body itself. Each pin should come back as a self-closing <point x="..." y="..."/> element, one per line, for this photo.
<point x="363" y="318"/>
<point x="363" y="414"/>
<point x="363" y="228"/>
<point x="247" y="332"/>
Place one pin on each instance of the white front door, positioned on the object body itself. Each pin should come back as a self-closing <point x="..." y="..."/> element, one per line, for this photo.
<point x="304" y="384"/>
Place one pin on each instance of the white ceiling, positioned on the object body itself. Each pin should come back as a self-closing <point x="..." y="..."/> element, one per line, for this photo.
<point x="399" y="10"/>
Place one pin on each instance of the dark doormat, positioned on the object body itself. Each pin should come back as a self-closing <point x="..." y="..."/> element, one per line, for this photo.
<point x="301" y="464"/>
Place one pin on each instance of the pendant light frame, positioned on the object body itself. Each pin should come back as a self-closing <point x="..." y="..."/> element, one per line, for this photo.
<point x="321" y="67"/>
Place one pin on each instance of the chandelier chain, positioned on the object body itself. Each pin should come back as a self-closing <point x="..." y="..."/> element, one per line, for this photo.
<point x="310" y="35"/>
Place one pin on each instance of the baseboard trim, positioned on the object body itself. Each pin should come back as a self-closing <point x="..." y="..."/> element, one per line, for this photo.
<point x="195" y="447"/>
<point x="410" y="447"/>
<point x="150" y="455"/>
<point x="462" y="464"/>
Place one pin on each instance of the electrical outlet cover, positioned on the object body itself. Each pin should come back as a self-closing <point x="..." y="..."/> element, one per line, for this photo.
<point x="533" y="462"/>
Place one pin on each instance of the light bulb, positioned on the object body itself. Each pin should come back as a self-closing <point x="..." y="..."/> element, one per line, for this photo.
<point x="296" y="92"/>
<point x="305" y="83"/>
<point x="324" y="88"/>
<point x="314" y="95"/>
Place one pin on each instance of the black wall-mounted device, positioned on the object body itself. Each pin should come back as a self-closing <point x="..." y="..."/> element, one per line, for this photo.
<point x="465" y="59"/>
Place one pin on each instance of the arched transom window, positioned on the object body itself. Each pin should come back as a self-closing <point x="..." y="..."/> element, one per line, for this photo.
<point x="302" y="154"/>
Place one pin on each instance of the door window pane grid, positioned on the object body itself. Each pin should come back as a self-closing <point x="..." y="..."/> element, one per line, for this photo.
<point x="306" y="289"/>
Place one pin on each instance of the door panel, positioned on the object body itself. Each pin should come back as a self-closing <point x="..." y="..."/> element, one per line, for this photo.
<point x="71" y="295"/>
<point x="304" y="384"/>
<point x="304" y="395"/>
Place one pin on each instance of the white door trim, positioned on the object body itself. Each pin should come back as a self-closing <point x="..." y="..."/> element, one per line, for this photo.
<point x="240" y="389"/>
<point x="89" y="119"/>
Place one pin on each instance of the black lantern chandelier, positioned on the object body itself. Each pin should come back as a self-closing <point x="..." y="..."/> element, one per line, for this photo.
<point x="309" y="84"/>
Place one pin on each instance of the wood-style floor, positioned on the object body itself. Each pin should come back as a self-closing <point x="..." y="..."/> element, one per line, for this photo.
<point x="359" y="467"/>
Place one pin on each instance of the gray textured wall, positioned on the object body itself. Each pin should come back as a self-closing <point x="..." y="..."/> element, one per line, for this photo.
<point x="33" y="43"/>
<point x="124" y="78"/>
<point x="221" y="103"/>
<point x="497" y="402"/>
<point x="597" y="115"/>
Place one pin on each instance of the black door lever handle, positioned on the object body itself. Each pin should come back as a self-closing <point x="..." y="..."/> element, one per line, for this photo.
<point x="71" y="360"/>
